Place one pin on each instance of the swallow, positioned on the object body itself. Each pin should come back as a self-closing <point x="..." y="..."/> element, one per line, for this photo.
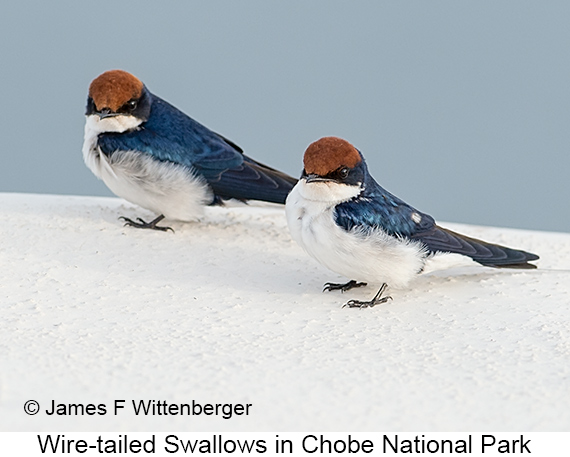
<point x="152" y="154"/>
<point x="344" y="219"/>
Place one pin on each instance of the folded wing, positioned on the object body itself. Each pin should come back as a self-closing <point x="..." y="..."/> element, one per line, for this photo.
<point x="379" y="209"/>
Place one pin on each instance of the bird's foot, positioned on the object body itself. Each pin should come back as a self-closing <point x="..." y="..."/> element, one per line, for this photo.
<point x="342" y="287"/>
<point x="377" y="300"/>
<point x="146" y="225"/>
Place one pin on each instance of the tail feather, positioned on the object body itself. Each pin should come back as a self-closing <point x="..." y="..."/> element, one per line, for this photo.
<point x="253" y="181"/>
<point x="492" y="255"/>
<point x="519" y="266"/>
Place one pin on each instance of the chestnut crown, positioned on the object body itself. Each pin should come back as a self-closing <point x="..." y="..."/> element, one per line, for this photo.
<point x="328" y="154"/>
<point x="114" y="88"/>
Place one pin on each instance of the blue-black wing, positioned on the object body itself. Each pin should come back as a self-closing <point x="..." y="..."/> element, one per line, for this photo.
<point x="253" y="181"/>
<point x="380" y="209"/>
<point x="440" y="239"/>
<point x="376" y="208"/>
<point x="171" y="136"/>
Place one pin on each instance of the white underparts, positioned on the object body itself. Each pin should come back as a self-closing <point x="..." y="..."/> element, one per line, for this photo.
<point x="162" y="187"/>
<point x="372" y="256"/>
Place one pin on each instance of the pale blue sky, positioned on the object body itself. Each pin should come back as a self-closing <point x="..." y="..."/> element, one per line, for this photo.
<point x="461" y="108"/>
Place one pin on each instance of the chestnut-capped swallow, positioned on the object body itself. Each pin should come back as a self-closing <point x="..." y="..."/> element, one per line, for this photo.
<point x="344" y="219"/>
<point x="152" y="154"/>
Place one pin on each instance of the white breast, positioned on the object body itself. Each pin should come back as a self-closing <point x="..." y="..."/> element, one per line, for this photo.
<point x="373" y="257"/>
<point x="162" y="187"/>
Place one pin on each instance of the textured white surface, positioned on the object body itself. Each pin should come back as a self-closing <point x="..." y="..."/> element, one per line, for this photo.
<point x="230" y="309"/>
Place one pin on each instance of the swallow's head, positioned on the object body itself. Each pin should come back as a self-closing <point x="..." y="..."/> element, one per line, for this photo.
<point x="118" y="101"/>
<point x="333" y="167"/>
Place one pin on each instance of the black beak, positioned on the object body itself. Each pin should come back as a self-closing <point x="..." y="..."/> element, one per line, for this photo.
<point x="315" y="178"/>
<point x="105" y="112"/>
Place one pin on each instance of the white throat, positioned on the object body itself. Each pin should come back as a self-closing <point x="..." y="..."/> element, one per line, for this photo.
<point x="327" y="191"/>
<point x="93" y="127"/>
<point x="119" y="124"/>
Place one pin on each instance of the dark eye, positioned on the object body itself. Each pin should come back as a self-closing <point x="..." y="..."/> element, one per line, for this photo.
<point x="343" y="172"/>
<point x="132" y="104"/>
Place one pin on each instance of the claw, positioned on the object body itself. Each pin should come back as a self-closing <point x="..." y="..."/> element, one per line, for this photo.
<point x="342" y="287"/>
<point x="142" y="224"/>
<point x="377" y="300"/>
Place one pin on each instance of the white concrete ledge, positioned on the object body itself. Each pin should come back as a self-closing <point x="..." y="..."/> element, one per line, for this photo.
<point x="230" y="310"/>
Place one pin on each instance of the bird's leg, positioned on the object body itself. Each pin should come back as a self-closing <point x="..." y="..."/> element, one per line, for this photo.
<point x="146" y="225"/>
<point x="377" y="300"/>
<point x="342" y="287"/>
